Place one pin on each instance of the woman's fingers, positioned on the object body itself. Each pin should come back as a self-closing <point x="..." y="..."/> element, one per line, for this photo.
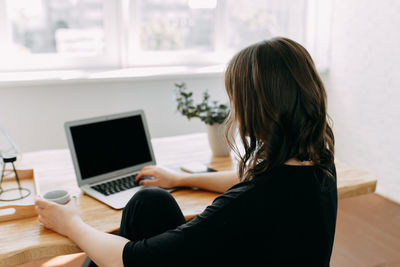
<point x="148" y="182"/>
<point x="38" y="210"/>
<point x="44" y="222"/>
<point x="42" y="203"/>
<point x="146" y="171"/>
<point x="163" y="177"/>
<point x="42" y="216"/>
<point x="43" y="207"/>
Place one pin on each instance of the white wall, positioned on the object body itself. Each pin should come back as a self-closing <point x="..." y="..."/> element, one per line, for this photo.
<point x="363" y="96"/>
<point x="364" y="88"/>
<point x="34" y="115"/>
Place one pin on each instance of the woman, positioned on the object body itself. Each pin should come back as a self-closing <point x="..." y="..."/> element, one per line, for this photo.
<point x="280" y="208"/>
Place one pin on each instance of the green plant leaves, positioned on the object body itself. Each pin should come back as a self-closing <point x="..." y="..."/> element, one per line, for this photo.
<point x="207" y="112"/>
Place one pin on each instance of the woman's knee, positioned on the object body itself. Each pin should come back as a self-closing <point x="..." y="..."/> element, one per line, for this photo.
<point x="151" y="193"/>
<point x="147" y="196"/>
<point x="150" y="211"/>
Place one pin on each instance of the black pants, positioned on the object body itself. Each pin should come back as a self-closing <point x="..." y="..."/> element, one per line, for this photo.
<point x="151" y="211"/>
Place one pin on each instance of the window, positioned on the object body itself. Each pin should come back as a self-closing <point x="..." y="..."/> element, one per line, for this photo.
<point x="172" y="32"/>
<point x="208" y="31"/>
<point x="61" y="27"/>
<point x="176" y="25"/>
<point x="65" y="34"/>
<point x="56" y="34"/>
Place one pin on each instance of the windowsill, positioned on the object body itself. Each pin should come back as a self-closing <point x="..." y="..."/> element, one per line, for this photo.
<point x="15" y="79"/>
<point x="32" y="78"/>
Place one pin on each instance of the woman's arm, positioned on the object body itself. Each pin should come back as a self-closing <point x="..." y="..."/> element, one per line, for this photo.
<point x="213" y="181"/>
<point x="104" y="249"/>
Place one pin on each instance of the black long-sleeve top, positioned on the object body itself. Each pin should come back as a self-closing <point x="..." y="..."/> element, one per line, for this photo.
<point x="285" y="217"/>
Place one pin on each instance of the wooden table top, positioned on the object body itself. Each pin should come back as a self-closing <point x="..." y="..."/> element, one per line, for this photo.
<point x="26" y="240"/>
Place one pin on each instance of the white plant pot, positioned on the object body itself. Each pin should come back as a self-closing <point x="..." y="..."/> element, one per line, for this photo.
<point x="216" y="137"/>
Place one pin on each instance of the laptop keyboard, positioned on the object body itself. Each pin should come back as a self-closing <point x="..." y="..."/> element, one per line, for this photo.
<point x="115" y="186"/>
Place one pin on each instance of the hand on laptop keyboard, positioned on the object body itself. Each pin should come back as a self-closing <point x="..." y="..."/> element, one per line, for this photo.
<point x="139" y="182"/>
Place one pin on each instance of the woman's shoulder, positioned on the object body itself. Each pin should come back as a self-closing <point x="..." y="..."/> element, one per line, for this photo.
<point x="284" y="172"/>
<point x="294" y="178"/>
<point x="238" y="191"/>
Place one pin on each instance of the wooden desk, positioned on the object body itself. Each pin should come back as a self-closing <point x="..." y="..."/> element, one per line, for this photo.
<point x="26" y="240"/>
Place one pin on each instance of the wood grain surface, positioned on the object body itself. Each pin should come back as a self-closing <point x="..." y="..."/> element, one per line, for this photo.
<point x="367" y="233"/>
<point x="25" y="240"/>
<point x="22" y="208"/>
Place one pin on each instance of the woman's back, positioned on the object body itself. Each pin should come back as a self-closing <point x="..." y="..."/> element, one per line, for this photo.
<point x="283" y="218"/>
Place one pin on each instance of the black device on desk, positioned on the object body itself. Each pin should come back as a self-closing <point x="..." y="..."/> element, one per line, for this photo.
<point x="196" y="167"/>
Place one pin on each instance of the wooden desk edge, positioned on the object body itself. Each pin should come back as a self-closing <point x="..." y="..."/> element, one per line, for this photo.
<point x="36" y="253"/>
<point x="28" y="254"/>
<point x="356" y="190"/>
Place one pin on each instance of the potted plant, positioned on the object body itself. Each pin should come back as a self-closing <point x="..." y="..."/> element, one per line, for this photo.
<point x="212" y="113"/>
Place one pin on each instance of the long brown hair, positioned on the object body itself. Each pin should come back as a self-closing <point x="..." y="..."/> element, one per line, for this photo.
<point x="278" y="103"/>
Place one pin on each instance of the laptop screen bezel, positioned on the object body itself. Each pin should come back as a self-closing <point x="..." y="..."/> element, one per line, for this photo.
<point x="114" y="174"/>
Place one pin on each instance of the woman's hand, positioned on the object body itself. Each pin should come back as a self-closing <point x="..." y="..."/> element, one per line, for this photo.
<point x="163" y="177"/>
<point x="59" y="218"/>
<point x="104" y="249"/>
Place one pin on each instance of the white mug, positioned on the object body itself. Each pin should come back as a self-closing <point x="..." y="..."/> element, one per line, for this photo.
<point x="58" y="196"/>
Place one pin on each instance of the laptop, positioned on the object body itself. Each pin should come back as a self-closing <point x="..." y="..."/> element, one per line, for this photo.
<point x="108" y="152"/>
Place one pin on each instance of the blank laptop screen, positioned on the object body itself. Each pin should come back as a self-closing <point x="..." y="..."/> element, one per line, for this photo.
<point x="112" y="145"/>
